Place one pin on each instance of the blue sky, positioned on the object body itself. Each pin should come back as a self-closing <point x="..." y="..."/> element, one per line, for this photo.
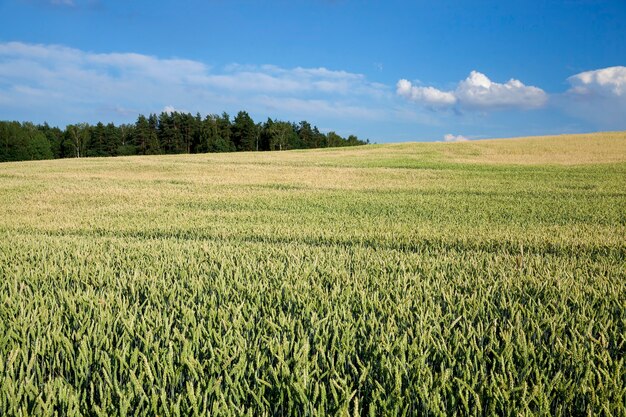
<point x="384" y="70"/>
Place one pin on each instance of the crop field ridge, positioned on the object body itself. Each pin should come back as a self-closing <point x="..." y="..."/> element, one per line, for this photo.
<point x="424" y="245"/>
<point x="483" y="278"/>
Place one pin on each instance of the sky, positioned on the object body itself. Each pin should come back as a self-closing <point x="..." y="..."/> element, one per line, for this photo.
<point x="388" y="71"/>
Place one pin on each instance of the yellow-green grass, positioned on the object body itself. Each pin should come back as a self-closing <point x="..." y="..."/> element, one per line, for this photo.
<point x="477" y="278"/>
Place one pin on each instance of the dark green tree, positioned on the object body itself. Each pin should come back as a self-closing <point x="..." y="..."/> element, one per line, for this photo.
<point x="224" y="139"/>
<point x="112" y="140"/>
<point x="55" y="138"/>
<point x="126" y="136"/>
<point x="19" y="142"/>
<point x="145" y="136"/>
<point x="170" y="132"/>
<point x="244" y="132"/>
<point x="265" y="135"/>
<point x="305" y="135"/>
<point x="96" y="145"/>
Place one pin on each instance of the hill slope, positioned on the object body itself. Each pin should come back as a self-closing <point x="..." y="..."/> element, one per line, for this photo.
<point x="474" y="278"/>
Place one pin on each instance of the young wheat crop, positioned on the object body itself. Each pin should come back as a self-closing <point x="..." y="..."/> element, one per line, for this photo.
<point x="417" y="279"/>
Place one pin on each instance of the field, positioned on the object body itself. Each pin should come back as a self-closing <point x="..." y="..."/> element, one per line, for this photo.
<point x="481" y="278"/>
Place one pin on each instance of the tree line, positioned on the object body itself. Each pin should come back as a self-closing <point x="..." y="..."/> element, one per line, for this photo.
<point x="166" y="133"/>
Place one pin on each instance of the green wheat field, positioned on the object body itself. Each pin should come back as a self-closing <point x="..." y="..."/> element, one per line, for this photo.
<point x="485" y="278"/>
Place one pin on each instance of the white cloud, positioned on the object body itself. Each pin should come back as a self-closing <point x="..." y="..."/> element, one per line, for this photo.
<point x="427" y="95"/>
<point x="454" y="138"/>
<point x="171" y="109"/>
<point x="309" y="108"/>
<point x="68" y="83"/>
<point x="74" y="5"/>
<point x="477" y="91"/>
<point x="597" y="97"/>
<point x="609" y="81"/>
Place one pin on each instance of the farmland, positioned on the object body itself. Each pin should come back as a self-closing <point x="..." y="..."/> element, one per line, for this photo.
<point x="477" y="278"/>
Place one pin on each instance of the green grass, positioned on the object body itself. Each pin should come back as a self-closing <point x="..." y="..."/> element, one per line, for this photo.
<point x="482" y="278"/>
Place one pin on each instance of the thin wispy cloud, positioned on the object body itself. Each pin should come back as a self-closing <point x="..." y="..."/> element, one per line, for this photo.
<point x="67" y="5"/>
<point x="62" y="2"/>
<point x="449" y="137"/>
<point x="55" y="76"/>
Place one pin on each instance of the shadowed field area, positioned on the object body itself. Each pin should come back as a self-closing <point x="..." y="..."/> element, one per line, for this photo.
<point x="476" y="278"/>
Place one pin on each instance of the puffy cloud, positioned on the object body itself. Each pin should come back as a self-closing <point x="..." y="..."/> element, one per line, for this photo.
<point x="454" y="138"/>
<point x="427" y="95"/>
<point x="477" y="91"/>
<point x="597" y="97"/>
<point x="609" y="81"/>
